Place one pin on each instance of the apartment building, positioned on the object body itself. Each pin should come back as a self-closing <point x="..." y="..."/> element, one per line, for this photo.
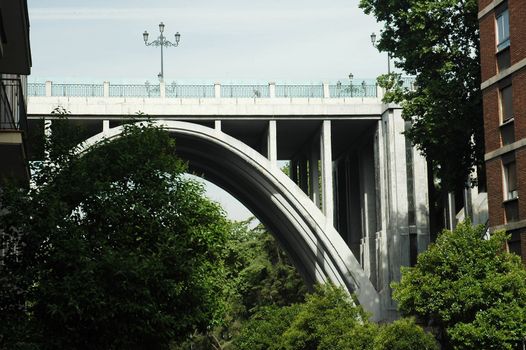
<point x="15" y="65"/>
<point x="503" y="65"/>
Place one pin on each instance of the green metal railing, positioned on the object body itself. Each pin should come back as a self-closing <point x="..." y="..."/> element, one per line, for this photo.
<point x="299" y="90"/>
<point x="358" y="90"/>
<point x="173" y="90"/>
<point x="77" y="90"/>
<point x="134" y="90"/>
<point x="190" y="91"/>
<point x="36" y="89"/>
<point x="245" y="91"/>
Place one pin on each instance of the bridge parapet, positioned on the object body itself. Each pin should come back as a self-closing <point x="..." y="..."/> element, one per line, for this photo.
<point x="211" y="90"/>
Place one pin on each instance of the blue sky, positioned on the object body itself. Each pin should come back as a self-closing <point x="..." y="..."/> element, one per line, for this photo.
<point x="296" y="40"/>
<point x="224" y="41"/>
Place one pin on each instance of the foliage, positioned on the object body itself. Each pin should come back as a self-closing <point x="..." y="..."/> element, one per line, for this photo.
<point x="329" y="320"/>
<point x="404" y="334"/>
<point x="260" y="271"/>
<point x="469" y="288"/>
<point x="111" y="249"/>
<point x="438" y="42"/>
<point x="260" y="280"/>
<point x="265" y="328"/>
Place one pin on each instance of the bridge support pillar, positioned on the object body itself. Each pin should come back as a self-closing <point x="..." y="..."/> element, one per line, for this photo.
<point x="404" y="230"/>
<point x="272" y="147"/>
<point x="105" y="126"/>
<point x="314" y="181"/>
<point x="304" y="173"/>
<point x="217" y="125"/>
<point x="326" y="172"/>
<point x="293" y="170"/>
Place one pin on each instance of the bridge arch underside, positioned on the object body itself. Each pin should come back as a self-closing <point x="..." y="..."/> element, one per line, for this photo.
<point x="315" y="247"/>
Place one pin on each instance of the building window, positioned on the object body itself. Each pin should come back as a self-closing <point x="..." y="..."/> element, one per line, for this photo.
<point x="503" y="29"/>
<point x="506" y="103"/>
<point x="510" y="195"/>
<point x="510" y="180"/>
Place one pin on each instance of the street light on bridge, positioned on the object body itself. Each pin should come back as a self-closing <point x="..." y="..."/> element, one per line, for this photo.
<point x="162" y="42"/>
<point x="373" y="41"/>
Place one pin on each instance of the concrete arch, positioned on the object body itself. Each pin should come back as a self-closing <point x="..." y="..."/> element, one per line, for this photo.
<point x="315" y="246"/>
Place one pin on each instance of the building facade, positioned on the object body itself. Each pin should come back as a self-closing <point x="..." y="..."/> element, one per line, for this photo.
<point x="15" y="65"/>
<point x="503" y="65"/>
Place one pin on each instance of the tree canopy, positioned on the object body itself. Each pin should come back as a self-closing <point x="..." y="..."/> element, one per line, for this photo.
<point x="113" y="248"/>
<point x="438" y="42"/>
<point x="470" y="289"/>
<point x="328" y="319"/>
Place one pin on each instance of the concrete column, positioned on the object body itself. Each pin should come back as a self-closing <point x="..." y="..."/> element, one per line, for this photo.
<point x="106" y="89"/>
<point x="293" y="167"/>
<point x="162" y="89"/>
<point x="217" y="125"/>
<point x="304" y="180"/>
<point x="326" y="91"/>
<point x="48" y="88"/>
<point x="217" y="90"/>
<point x="314" y="189"/>
<point x="272" y="147"/>
<point x="272" y="89"/>
<point x="326" y="171"/>
<point x="105" y="126"/>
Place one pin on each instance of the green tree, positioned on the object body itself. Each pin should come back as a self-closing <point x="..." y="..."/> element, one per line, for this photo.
<point x="438" y="42"/>
<point x="404" y="334"/>
<point x="112" y="249"/>
<point x="470" y="289"/>
<point x="264" y="330"/>
<point x="260" y="282"/>
<point x="329" y="320"/>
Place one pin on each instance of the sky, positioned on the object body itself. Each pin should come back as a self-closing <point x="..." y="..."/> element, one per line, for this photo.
<point x="221" y="41"/>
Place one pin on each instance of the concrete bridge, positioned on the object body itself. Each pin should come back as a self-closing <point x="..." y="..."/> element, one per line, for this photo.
<point x="355" y="208"/>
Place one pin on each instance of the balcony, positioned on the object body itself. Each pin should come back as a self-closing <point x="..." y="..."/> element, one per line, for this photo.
<point x="13" y="125"/>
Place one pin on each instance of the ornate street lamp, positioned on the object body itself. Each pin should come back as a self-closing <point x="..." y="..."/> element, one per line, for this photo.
<point x="351" y="76"/>
<point x="373" y="41"/>
<point x="162" y="42"/>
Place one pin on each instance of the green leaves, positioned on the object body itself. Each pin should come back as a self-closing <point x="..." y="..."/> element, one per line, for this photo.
<point x="328" y="319"/>
<point x="437" y="41"/>
<point x="468" y="287"/>
<point x="114" y="248"/>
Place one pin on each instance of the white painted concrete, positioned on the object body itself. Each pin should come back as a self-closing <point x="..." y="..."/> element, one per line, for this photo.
<point x="117" y="107"/>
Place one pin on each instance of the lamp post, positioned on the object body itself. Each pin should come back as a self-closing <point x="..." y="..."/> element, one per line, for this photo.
<point x="162" y="42"/>
<point x="351" y="76"/>
<point x="373" y="41"/>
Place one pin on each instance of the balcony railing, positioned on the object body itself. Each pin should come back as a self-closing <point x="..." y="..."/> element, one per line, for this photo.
<point x="12" y="105"/>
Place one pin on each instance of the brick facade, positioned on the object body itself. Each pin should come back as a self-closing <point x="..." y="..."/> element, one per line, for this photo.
<point x="487" y="53"/>
<point x="517" y="10"/>
<point x="493" y="80"/>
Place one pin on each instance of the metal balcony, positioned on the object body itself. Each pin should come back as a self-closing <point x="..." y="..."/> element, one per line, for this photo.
<point x="13" y="125"/>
